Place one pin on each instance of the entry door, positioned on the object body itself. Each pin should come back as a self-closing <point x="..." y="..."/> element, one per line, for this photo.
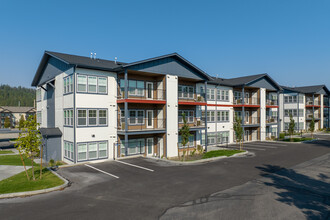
<point x="150" y="117"/>
<point x="160" y="119"/>
<point x="255" y="135"/>
<point x="247" y="135"/>
<point x="247" y="117"/>
<point x="150" y="146"/>
<point x="161" y="147"/>
<point x="246" y="98"/>
<point x="150" y="86"/>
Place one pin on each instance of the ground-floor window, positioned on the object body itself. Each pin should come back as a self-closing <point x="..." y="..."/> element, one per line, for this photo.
<point x="216" y="138"/>
<point x="134" y="146"/>
<point x="190" y="142"/>
<point x="301" y="126"/>
<point x="92" y="150"/>
<point x="68" y="150"/>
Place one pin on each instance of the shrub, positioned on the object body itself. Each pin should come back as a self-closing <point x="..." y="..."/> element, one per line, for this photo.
<point x="282" y="135"/>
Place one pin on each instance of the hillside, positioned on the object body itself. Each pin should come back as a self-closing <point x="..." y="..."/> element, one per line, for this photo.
<point x="10" y="96"/>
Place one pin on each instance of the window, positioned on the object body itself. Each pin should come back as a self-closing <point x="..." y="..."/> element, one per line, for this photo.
<point x="92" y="118"/>
<point x="188" y="114"/>
<point x="39" y="117"/>
<point x="211" y="138"/>
<point x="68" y="84"/>
<point x="82" y="152"/>
<point x="68" y="117"/>
<point x="136" y="117"/>
<point x="135" y="87"/>
<point x="210" y="94"/>
<point x="186" y="91"/>
<point x="82" y="83"/>
<point x="92" y="84"/>
<point x="293" y="112"/>
<point x="134" y="146"/>
<point x="292" y="99"/>
<point x="191" y="141"/>
<point x="102" y="84"/>
<point x="38" y="94"/>
<point x="82" y="118"/>
<point x="92" y="150"/>
<point x="210" y="116"/>
<point x="103" y="117"/>
<point x="68" y="150"/>
<point x="223" y="116"/>
<point x="122" y="87"/>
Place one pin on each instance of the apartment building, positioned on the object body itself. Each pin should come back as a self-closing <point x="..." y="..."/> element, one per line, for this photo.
<point x="95" y="109"/>
<point x="305" y="104"/>
<point x="14" y="113"/>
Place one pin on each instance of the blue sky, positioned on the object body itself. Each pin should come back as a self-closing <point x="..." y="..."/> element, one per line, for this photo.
<point x="290" y="40"/>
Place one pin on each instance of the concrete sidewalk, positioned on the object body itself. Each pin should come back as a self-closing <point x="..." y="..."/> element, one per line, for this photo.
<point x="7" y="171"/>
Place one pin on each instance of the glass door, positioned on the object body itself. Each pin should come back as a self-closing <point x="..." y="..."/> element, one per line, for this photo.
<point x="150" y="90"/>
<point x="150" y="146"/>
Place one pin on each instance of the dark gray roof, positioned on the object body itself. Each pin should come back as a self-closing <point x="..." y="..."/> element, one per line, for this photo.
<point x="17" y="109"/>
<point x="50" y="132"/>
<point x="241" y="81"/>
<point x="307" y="89"/>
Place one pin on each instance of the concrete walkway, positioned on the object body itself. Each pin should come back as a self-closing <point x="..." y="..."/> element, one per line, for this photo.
<point x="7" y="171"/>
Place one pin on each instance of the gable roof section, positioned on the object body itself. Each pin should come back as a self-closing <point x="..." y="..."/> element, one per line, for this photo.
<point x="244" y="81"/>
<point x="318" y="89"/>
<point x="169" y="64"/>
<point x="17" y="109"/>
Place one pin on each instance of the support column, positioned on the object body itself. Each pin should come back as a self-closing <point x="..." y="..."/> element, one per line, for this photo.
<point x="126" y="111"/>
<point x="298" y="111"/>
<point x="278" y="115"/>
<point x="206" y="116"/>
<point x="328" y="112"/>
<point x="243" y="111"/>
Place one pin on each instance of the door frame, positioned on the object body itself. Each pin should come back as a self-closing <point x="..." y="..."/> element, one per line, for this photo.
<point x="152" y="119"/>
<point x="152" y="147"/>
<point x="152" y="88"/>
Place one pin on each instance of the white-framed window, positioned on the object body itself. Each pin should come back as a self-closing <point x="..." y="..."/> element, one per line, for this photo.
<point x="68" y="117"/>
<point x="82" y="117"/>
<point x="92" y="117"/>
<point x="82" y="151"/>
<point x="211" y="138"/>
<point x="39" y="117"/>
<point x="103" y="149"/>
<point x="293" y="112"/>
<point x="92" y="150"/>
<point x="92" y="84"/>
<point x="191" y="141"/>
<point x="103" y="116"/>
<point x="223" y="116"/>
<point x="186" y="91"/>
<point x="38" y="94"/>
<point x="68" y="84"/>
<point x="189" y="114"/>
<point x="210" y="94"/>
<point x="81" y="83"/>
<point x="210" y="116"/>
<point x="136" y="117"/>
<point x="135" y="87"/>
<point x="134" y="146"/>
<point x="102" y="83"/>
<point x="237" y="95"/>
<point x="68" y="150"/>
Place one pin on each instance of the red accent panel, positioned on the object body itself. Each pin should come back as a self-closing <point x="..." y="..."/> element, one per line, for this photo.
<point x="310" y="106"/>
<point x="271" y="106"/>
<point x="141" y="101"/>
<point x="220" y="105"/>
<point x="192" y="103"/>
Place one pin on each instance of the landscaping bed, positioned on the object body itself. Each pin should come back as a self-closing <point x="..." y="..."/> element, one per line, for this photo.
<point x="210" y="154"/>
<point x="296" y="139"/>
<point x="19" y="182"/>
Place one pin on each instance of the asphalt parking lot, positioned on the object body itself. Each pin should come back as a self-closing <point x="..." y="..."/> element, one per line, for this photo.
<point x="142" y="188"/>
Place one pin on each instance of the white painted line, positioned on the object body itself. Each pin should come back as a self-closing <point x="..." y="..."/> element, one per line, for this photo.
<point x="252" y="148"/>
<point x="275" y="144"/>
<point x="259" y="145"/>
<point x="102" y="171"/>
<point x="134" y="165"/>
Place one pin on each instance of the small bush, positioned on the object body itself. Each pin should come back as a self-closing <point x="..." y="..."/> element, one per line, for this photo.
<point x="282" y="135"/>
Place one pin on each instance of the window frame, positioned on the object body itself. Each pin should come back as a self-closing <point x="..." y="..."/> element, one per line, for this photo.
<point x="97" y="117"/>
<point x="97" y="150"/>
<point x="87" y="77"/>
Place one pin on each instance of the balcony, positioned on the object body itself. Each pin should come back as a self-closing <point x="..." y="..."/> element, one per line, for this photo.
<point x="247" y="101"/>
<point x="271" y="102"/>
<point x="310" y="102"/>
<point x="252" y="121"/>
<point x="193" y="122"/>
<point x="143" y="94"/>
<point x="271" y="119"/>
<point x="309" y="116"/>
<point x="142" y="124"/>
<point x="191" y="97"/>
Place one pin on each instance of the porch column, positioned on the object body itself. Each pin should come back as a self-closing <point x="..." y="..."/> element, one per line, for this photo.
<point x="328" y="112"/>
<point x="205" y="90"/>
<point x="278" y="115"/>
<point x="126" y="111"/>
<point x="243" y="113"/>
<point x="298" y="111"/>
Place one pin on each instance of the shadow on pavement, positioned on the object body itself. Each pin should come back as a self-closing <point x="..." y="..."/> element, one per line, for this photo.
<point x="311" y="196"/>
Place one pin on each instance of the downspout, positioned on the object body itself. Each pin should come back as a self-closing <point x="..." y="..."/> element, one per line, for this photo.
<point x="278" y="115"/>
<point x="74" y="114"/>
<point x="243" y="112"/>
<point x="298" y="111"/>
<point x="205" y="92"/>
<point x="126" y="111"/>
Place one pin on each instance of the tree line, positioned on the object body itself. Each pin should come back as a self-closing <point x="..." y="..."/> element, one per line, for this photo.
<point x="12" y="96"/>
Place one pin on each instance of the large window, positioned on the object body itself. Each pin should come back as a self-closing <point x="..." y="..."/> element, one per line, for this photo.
<point x="92" y="117"/>
<point x="68" y="150"/>
<point x="186" y="92"/>
<point x="39" y="117"/>
<point x="293" y="112"/>
<point x="223" y="116"/>
<point x="135" y="88"/>
<point x="293" y="99"/>
<point x="189" y="114"/>
<point x="136" y="117"/>
<point x="134" y="146"/>
<point x="222" y="95"/>
<point x="214" y="138"/>
<point x="92" y="84"/>
<point x="210" y="116"/>
<point x="301" y="126"/>
<point x="68" y="117"/>
<point x="191" y="141"/>
<point x="38" y="94"/>
<point x="68" y="84"/>
<point x="210" y="94"/>
<point x="92" y="150"/>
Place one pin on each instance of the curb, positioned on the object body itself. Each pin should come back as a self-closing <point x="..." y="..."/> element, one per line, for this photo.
<point x="201" y="161"/>
<point x="37" y="192"/>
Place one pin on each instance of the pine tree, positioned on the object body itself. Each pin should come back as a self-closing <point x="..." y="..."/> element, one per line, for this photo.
<point x="7" y="123"/>
<point x="312" y="127"/>
<point x="185" y="134"/>
<point x="291" y="127"/>
<point x="21" y="122"/>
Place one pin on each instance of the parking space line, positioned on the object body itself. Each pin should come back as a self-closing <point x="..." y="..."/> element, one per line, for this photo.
<point x="272" y="144"/>
<point x="252" y="148"/>
<point x="133" y="165"/>
<point x="102" y="171"/>
<point x="259" y="145"/>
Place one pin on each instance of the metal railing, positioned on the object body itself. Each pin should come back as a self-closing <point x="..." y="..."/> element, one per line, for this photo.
<point x="251" y="120"/>
<point x="196" y="122"/>
<point x="310" y="102"/>
<point x="271" y="119"/>
<point x="140" y="124"/>
<point x="247" y="101"/>
<point x="311" y="116"/>
<point x="191" y="96"/>
<point x="271" y="102"/>
<point x="143" y="93"/>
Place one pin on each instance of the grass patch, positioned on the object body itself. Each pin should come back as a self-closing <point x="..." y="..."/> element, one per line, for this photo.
<point x="19" y="182"/>
<point x="14" y="160"/>
<point x="6" y="152"/>
<point x="218" y="153"/>
<point x="298" y="139"/>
